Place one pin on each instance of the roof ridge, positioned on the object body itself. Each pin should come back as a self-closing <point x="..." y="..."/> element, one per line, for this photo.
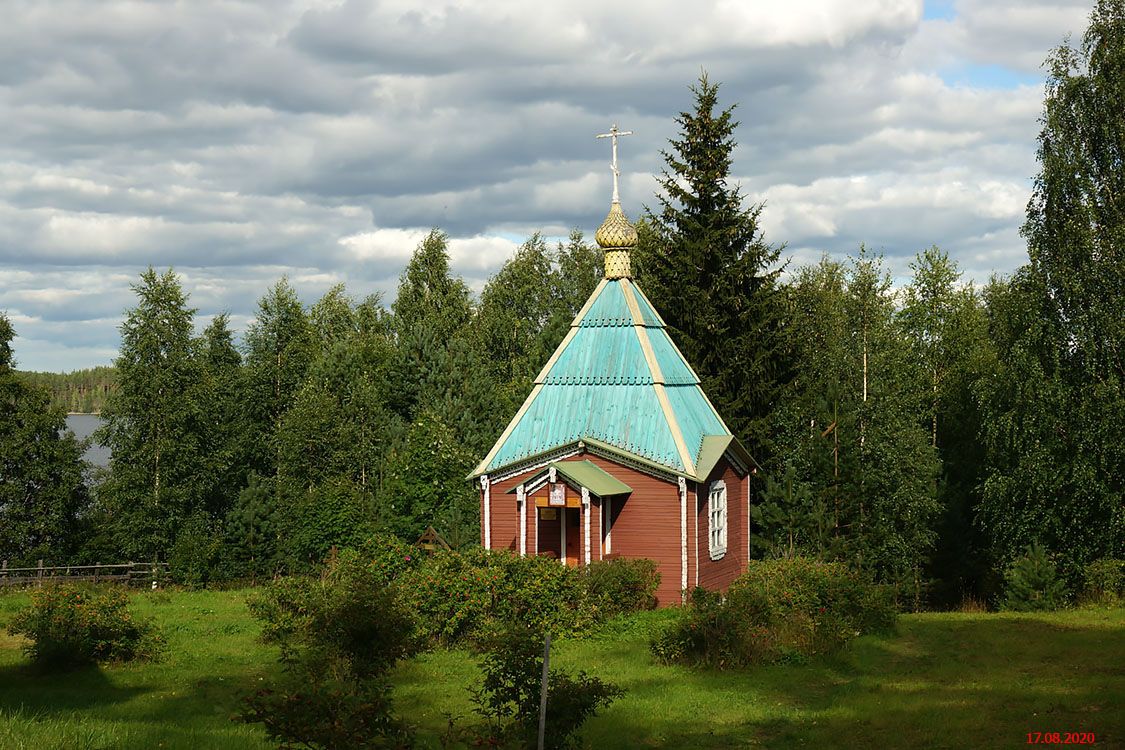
<point x="658" y="380"/>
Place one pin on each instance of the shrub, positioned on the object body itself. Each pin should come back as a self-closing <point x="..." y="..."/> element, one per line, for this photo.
<point x="539" y="593"/>
<point x="1104" y="581"/>
<point x="1032" y="583"/>
<point x="621" y="585"/>
<point x="459" y="595"/>
<point x="339" y="634"/>
<point x="777" y="610"/>
<point x="509" y="693"/>
<point x="74" y="625"/>
<point x="389" y="556"/>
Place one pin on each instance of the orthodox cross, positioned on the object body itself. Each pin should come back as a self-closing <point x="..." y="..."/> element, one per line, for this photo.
<point x="613" y="134"/>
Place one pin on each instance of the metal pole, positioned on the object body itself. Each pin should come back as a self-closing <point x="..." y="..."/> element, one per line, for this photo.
<point x="543" y="690"/>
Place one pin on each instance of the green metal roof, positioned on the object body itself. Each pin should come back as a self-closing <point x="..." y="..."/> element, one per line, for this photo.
<point x="586" y="474"/>
<point x="617" y="378"/>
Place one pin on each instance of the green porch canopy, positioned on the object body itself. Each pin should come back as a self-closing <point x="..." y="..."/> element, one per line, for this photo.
<point x="585" y="474"/>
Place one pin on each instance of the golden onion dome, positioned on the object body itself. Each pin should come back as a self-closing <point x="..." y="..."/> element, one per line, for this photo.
<point x="616" y="231"/>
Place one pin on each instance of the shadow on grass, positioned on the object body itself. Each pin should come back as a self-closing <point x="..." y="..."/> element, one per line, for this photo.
<point x="31" y="688"/>
<point x="972" y="682"/>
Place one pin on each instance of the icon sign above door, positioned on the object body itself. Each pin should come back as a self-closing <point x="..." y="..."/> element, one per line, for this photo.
<point x="557" y="495"/>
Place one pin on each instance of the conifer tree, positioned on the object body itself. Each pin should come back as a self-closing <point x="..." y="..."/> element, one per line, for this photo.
<point x="223" y="441"/>
<point x="425" y="485"/>
<point x="703" y="260"/>
<point x="441" y="368"/>
<point x="431" y="309"/>
<point x="428" y="295"/>
<point x="41" y="486"/>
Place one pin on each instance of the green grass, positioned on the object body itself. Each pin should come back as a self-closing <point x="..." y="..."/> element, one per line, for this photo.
<point x="183" y="701"/>
<point x="945" y="680"/>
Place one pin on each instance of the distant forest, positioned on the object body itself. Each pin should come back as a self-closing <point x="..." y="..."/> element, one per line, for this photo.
<point x="78" y="392"/>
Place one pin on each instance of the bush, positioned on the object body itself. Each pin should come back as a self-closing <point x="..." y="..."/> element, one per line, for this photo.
<point x="75" y="625"/>
<point x="1104" y="581"/>
<point x="621" y="585"/>
<point x="778" y="610"/>
<point x="389" y="557"/>
<point x="459" y="595"/>
<point x="340" y="635"/>
<point x="509" y="693"/>
<point x="1032" y="583"/>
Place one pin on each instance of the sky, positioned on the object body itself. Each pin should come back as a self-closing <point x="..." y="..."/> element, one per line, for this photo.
<point x="237" y="142"/>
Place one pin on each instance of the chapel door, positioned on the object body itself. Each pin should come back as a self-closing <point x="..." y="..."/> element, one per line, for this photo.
<point x="573" y="537"/>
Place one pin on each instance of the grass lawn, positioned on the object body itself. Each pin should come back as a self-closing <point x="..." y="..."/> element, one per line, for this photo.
<point x="945" y="680"/>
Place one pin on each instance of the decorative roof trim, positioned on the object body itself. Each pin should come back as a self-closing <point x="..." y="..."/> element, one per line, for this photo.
<point x="633" y="461"/>
<point x="538" y="461"/>
<point x="532" y="484"/>
<point x="568" y="472"/>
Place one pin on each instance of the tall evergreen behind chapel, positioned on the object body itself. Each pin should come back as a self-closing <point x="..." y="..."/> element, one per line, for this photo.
<point x="703" y="255"/>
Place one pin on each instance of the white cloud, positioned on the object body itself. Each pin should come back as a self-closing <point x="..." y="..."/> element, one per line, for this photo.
<point x="239" y="142"/>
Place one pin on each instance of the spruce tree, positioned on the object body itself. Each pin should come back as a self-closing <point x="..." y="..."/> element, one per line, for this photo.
<point x="431" y="309"/>
<point x="223" y="442"/>
<point x="42" y="491"/>
<point x="703" y="260"/>
<point x="441" y="367"/>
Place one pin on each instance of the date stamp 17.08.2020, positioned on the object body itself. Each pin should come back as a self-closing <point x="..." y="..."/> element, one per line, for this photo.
<point x="1061" y="738"/>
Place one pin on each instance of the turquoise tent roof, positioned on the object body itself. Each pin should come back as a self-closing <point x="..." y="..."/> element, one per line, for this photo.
<point x="618" y="379"/>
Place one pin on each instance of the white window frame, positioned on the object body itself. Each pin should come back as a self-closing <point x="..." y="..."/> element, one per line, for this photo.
<point x="717" y="519"/>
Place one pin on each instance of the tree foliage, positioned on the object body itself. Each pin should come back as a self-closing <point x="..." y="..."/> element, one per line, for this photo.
<point x="1055" y="462"/>
<point x="78" y="392"/>
<point x="703" y="256"/>
<point x="42" y="491"/>
<point x="154" y="425"/>
<point x="859" y="483"/>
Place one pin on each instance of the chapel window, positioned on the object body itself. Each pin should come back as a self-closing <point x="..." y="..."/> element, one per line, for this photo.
<point x="717" y="504"/>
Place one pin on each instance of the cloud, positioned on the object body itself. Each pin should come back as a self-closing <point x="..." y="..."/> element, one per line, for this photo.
<point x="237" y="142"/>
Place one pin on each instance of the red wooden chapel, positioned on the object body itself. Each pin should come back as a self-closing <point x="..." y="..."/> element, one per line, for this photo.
<point x="617" y="450"/>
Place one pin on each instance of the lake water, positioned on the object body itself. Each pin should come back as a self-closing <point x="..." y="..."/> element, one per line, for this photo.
<point x="83" y="425"/>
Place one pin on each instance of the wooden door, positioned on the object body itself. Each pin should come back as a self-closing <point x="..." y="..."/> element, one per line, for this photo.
<point x="573" y="536"/>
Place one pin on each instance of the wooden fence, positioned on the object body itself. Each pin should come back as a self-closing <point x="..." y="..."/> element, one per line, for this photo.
<point x="149" y="575"/>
